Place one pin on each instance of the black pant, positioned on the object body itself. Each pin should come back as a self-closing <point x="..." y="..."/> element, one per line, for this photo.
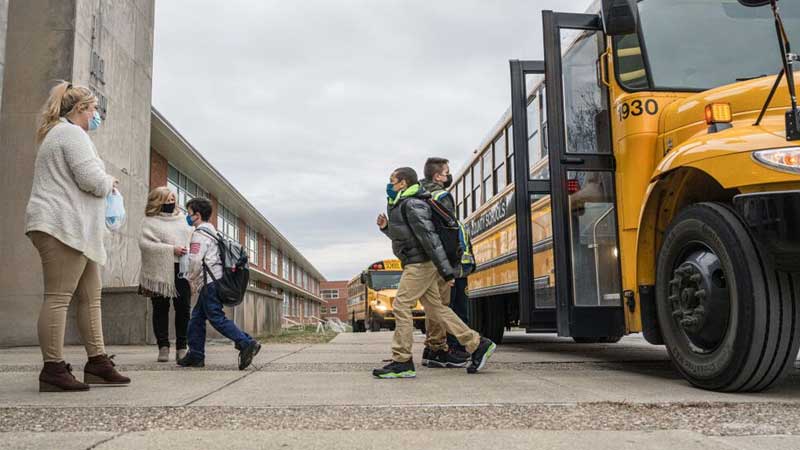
<point x="182" y="305"/>
<point x="458" y="303"/>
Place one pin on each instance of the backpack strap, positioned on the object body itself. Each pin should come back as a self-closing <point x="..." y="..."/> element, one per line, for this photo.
<point x="206" y="269"/>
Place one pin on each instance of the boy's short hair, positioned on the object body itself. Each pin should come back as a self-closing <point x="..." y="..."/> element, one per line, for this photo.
<point x="201" y="206"/>
<point x="433" y="166"/>
<point x="406" y="173"/>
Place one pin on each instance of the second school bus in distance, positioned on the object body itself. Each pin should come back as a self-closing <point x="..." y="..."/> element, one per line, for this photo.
<point x="650" y="183"/>
<point x="371" y="296"/>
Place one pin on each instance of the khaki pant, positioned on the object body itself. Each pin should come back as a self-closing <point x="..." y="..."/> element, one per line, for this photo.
<point x="422" y="282"/>
<point x="68" y="272"/>
<point x="436" y="335"/>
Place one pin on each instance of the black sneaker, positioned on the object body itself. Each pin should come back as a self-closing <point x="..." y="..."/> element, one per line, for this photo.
<point x="246" y="354"/>
<point x="426" y="355"/>
<point x="481" y="355"/>
<point x="459" y="354"/>
<point x="445" y="359"/>
<point x="191" y="361"/>
<point x="396" y="370"/>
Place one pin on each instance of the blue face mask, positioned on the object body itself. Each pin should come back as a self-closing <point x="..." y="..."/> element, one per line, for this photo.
<point x="390" y="192"/>
<point x="189" y="220"/>
<point x="95" y="122"/>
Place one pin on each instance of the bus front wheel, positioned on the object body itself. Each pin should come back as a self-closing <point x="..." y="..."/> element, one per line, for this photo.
<point x="730" y="322"/>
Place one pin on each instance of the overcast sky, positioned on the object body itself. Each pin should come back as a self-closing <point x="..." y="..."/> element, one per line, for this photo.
<point x="307" y="106"/>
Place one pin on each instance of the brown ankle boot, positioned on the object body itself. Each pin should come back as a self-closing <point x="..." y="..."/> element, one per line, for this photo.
<point x="100" y="370"/>
<point x="57" y="377"/>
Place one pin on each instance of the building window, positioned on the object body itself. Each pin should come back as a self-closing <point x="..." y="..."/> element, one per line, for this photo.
<point x="534" y="141"/>
<point x="330" y="294"/>
<point x="228" y="223"/>
<point x="499" y="148"/>
<point x="184" y="188"/>
<point x="285" y="304"/>
<point x="273" y="266"/>
<point x="252" y="245"/>
<point x="334" y="310"/>
<point x="285" y="273"/>
<point x="324" y="310"/>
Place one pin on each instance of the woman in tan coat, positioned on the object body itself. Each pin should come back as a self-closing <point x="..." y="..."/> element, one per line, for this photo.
<point x="165" y="238"/>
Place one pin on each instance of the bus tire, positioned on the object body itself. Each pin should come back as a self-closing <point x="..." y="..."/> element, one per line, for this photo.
<point x="374" y="325"/>
<point x="730" y="322"/>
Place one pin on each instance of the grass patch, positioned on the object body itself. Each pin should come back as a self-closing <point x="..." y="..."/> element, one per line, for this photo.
<point x="296" y="335"/>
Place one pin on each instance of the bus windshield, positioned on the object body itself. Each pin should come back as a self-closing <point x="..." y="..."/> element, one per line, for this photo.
<point x="384" y="280"/>
<point x="701" y="44"/>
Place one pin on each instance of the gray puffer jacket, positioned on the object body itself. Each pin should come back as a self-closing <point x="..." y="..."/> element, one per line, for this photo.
<point x="416" y="241"/>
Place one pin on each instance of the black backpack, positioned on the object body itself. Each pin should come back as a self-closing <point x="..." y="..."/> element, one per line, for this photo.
<point x="235" y="273"/>
<point x="446" y="228"/>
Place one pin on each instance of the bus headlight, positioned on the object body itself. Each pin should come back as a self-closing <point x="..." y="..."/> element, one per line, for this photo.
<point x="787" y="159"/>
<point x="380" y="307"/>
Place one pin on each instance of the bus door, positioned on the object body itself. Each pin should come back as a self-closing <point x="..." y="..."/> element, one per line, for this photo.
<point x="583" y="200"/>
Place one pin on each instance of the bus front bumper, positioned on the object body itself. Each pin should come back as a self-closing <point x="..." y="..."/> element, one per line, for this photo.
<point x="773" y="218"/>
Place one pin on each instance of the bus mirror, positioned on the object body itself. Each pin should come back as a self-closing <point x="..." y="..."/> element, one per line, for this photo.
<point x="620" y="17"/>
<point x="754" y="2"/>
<point x="363" y="278"/>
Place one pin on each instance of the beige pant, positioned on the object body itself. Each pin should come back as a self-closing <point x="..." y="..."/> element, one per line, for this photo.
<point x="422" y="282"/>
<point x="436" y="335"/>
<point x="68" y="272"/>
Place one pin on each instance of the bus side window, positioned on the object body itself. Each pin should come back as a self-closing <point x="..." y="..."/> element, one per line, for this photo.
<point x="629" y="62"/>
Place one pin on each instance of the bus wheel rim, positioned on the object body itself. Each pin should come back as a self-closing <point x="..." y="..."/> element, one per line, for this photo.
<point x="700" y="300"/>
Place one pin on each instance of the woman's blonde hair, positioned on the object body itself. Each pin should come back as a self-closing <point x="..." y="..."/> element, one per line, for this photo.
<point x="155" y="199"/>
<point x="64" y="98"/>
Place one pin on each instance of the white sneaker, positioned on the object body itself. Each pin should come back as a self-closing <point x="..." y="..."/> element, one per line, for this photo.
<point x="163" y="354"/>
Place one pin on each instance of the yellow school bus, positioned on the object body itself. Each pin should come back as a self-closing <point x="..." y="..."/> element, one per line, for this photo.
<point x="371" y="295"/>
<point x="647" y="179"/>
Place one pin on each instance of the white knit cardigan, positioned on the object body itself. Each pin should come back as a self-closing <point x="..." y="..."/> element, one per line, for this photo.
<point x="160" y="235"/>
<point x="70" y="185"/>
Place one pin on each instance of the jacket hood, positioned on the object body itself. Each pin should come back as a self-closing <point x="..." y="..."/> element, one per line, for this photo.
<point x="431" y="186"/>
<point x="415" y="191"/>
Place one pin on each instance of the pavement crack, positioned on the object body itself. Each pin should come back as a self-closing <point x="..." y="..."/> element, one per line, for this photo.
<point x="103" y="441"/>
<point x="240" y="378"/>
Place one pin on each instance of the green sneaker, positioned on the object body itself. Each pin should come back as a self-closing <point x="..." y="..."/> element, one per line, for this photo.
<point x="481" y="355"/>
<point x="396" y="370"/>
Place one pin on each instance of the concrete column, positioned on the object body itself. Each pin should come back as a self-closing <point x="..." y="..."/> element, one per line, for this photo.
<point x="47" y="40"/>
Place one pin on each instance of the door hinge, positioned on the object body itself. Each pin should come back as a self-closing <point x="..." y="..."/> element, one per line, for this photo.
<point x="630" y="300"/>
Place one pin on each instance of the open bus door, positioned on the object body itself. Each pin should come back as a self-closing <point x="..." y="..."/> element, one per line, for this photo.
<point x="588" y="293"/>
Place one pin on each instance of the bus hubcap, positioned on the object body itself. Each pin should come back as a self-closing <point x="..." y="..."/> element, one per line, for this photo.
<point x="700" y="301"/>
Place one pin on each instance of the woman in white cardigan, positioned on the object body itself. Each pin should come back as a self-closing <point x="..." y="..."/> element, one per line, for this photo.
<point x="65" y="220"/>
<point x="165" y="238"/>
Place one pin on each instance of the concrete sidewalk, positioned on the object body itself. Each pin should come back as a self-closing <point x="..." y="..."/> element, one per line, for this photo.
<point x="537" y="392"/>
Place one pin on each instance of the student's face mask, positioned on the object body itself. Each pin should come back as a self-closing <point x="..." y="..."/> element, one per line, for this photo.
<point x="189" y="220"/>
<point x="448" y="182"/>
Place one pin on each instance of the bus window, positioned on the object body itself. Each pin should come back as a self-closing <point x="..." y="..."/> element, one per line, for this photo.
<point x="534" y="143"/>
<point x="545" y="144"/>
<point x="629" y="62"/>
<point x="499" y="149"/>
<point x="380" y="280"/>
<point x="593" y="239"/>
<point x="476" y="186"/>
<point x="582" y="96"/>
<point x="510" y="153"/>
<point x="486" y="176"/>
<point x="466" y="189"/>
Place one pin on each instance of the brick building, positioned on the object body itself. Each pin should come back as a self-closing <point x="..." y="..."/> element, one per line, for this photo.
<point x="335" y="294"/>
<point x="284" y="284"/>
